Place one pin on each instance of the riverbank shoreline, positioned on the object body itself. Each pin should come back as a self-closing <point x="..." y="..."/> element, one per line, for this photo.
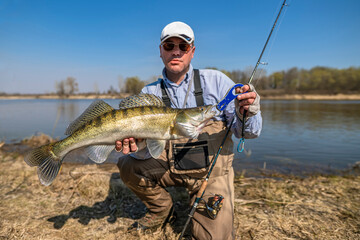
<point x="91" y="202"/>
<point x="243" y="169"/>
<point x="264" y="96"/>
<point x="53" y="96"/>
<point x="340" y="97"/>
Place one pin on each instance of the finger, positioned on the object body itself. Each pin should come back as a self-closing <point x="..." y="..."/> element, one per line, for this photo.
<point x="246" y="96"/>
<point x="118" y="146"/>
<point x="245" y="88"/>
<point x="133" y="147"/>
<point x="238" y="90"/>
<point x="246" y="102"/>
<point x="126" y="148"/>
<point x="242" y="109"/>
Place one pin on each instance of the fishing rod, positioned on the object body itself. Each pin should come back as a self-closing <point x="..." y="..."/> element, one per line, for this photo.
<point x="216" y="205"/>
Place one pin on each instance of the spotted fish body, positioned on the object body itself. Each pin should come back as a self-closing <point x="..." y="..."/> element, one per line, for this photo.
<point x="139" y="122"/>
<point x="143" y="116"/>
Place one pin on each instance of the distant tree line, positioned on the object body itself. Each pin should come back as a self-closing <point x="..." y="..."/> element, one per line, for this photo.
<point x="66" y="87"/>
<point x="316" y="80"/>
<point x="69" y="86"/>
<point x="133" y="85"/>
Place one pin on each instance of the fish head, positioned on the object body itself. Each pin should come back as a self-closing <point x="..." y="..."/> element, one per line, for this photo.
<point x="190" y="121"/>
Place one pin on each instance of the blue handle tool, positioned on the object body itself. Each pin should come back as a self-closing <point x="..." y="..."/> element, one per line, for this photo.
<point x="228" y="97"/>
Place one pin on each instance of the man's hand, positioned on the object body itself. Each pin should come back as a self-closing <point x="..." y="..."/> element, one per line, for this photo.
<point x="249" y="101"/>
<point x="127" y="145"/>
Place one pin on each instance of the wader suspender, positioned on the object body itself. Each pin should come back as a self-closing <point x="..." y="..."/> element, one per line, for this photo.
<point x="198" y="91"/>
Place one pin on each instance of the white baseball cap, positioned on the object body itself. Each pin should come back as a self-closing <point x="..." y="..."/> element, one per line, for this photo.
<point x="177" y="29"/>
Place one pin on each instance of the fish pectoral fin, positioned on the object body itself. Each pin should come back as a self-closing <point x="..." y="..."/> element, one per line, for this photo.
<point x="99" y="153"/>
<point x="155" y="147"/>
<point x="96" y="109"/>
<point x="188" y="130"/>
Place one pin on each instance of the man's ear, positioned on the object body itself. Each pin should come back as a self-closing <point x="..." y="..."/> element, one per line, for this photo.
<point x="193" y="51"/>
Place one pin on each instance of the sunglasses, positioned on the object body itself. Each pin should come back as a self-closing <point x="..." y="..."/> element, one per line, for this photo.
<point x="168" y="46"/>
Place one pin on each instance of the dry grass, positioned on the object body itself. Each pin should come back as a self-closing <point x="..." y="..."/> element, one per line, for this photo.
<point x="91" y="202"/>
<point x="310" y="208"/>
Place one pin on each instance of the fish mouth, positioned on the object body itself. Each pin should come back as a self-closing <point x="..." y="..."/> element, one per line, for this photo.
<point x="211" y="111"/>
<point x="207" y="114"/>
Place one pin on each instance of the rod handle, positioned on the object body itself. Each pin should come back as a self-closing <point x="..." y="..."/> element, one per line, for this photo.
<point x="202" y="189"/>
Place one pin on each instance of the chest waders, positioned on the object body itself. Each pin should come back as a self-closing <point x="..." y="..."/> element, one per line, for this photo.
<point x="188" y="165"/>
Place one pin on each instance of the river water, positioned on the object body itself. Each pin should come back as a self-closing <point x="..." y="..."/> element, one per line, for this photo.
<point x="297" y="136"/>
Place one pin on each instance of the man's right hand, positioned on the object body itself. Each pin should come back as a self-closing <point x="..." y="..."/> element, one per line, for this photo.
<point x="127" y="145"/>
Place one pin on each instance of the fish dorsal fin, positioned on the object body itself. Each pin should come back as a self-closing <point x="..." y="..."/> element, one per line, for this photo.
<point x="155" y="147"/>
<point x="141" y="100"/>
<point x="97" y="108"/>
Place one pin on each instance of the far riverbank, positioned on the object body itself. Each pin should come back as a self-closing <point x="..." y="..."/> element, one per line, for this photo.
<point x="352" y="97"/>
<point x="265" y="96"/>
<point x="54" y="96"/>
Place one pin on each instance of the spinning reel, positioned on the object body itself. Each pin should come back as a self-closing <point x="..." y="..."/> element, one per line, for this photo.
<point x="213" y="206"/>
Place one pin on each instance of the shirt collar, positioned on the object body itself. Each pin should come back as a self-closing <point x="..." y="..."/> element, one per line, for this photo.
<point x="188" y="76"/>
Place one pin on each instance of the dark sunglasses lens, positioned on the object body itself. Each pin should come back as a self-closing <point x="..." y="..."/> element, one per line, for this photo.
<point x="184" y="47"/>
<point x="168" y="46"/>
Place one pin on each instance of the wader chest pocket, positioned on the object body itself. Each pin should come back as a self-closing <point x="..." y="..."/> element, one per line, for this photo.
<point x="191" y="155"/>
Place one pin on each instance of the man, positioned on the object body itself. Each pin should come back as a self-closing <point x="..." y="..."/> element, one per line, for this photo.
<point x="186" y="162"/>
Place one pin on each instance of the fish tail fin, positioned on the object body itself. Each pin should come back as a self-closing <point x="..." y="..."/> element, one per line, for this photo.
<point x="48" y="163"/>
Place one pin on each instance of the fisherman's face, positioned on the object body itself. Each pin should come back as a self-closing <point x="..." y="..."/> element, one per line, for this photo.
<point x="176" y="61"/>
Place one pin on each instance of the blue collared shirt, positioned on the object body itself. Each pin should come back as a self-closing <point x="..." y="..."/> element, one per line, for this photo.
<point x="215" y="85"/>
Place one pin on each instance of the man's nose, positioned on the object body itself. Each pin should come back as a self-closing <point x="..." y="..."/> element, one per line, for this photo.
<point x="176" y="50"/>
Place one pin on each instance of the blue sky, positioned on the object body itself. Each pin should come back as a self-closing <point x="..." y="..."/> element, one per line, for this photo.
<point x="43" y="41"/>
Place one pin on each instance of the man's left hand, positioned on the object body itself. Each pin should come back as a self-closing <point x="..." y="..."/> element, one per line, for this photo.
<point x="249" y="101"/>
<point x="127" y="145"/>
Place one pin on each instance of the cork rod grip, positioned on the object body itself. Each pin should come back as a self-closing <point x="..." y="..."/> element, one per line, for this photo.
<point x="202" y="189"/>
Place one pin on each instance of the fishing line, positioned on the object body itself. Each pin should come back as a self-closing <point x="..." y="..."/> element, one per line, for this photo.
<point x="276" y="31"/>
<point x="266" y="59"/>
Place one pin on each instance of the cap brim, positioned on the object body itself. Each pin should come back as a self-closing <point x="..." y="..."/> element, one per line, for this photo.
<point x="183" y="37"/>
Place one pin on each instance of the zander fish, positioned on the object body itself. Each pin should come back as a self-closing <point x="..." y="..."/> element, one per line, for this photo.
<point x="141" y="116"/>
